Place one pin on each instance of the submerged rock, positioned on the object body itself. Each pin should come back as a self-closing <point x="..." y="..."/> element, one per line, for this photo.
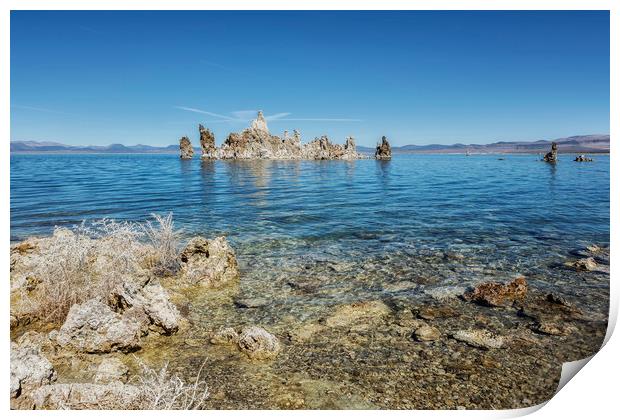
<point x="211" y="263"/>
<point x="427" y="333"/>
<point x="584" y="264"/>
<point x="443" y="293"/>
<point x="552" y="156"/>
<point x="207" y="143"/>
<point x="186" y="149"/>
<point x="258" y="344"/>
<point x="552" y="328"/>
<point x="479" y="338"/>
<point x="498" y="294"/>
<point x="29" y="369"/>
<point x="383" y="151"/>
<point x="93" y="327"/>
<point x="350" y="314"/>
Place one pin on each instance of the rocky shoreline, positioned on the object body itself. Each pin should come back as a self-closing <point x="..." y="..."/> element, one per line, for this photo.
<point x="256" y="142"/>
<point x="154" y="302"/>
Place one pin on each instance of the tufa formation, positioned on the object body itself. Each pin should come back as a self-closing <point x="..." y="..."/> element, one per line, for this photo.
<point x="384" y="151"/>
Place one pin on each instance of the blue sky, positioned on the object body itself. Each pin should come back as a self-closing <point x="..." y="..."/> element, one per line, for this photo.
<point x="417" y="77"/>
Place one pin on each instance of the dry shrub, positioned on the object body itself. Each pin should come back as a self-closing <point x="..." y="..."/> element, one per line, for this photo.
<point x="165" y="241"/>
<point x="159" y="390"/>
<point x="90" y="260"/>
<point x="150" y="390"/>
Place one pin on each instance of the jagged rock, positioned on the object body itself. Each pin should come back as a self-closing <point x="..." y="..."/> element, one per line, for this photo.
<point x="552" y="156"/>
<point x="115" y="395"/>
<point x="93" y="327"/>
<point x="258" y="344"/>
<point x="479" y="338"/>
<point x="211" y="263"/>
<point x="583" y="158"/>
<point x="207" y="143"/>
<point x="29" y="369"/>
<point x="257" y="143"/>
<point x="383" y="151"/>
<point x="584" y="264"/>
<point x="147" y="295"/>
<point x="186" y="149"/>
<point x="111" y="370"/>
<point x="498" y="294"/>
<point x="322" y="149"/>
<point x="225" y="336"/>
<point x="427" y="333"/>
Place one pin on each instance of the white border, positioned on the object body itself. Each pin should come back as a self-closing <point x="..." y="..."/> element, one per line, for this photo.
<point x="592" y="394"/>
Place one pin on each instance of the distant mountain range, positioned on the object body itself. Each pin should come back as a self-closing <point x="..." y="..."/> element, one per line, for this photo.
<point x="595" y="143"/>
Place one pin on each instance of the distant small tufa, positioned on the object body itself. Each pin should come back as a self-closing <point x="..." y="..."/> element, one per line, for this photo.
<point x="384" y="151"/>
<point x="552" y="156"/>
<point x="186" y="149"/>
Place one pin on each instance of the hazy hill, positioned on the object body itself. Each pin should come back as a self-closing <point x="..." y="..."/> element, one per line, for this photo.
<point x="595" y="143"/>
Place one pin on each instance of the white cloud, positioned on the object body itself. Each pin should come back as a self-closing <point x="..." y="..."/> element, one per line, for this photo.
<point x="247" y="115"/>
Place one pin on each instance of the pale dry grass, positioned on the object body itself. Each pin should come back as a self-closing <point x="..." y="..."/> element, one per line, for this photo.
<point x="165" y="240"/>
<point x="90" y="260"/>
<point x="159" y="390"/>
<point x="152" y="389"/>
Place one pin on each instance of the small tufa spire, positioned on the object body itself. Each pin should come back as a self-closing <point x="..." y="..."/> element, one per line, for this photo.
<point x="260" y="124"/>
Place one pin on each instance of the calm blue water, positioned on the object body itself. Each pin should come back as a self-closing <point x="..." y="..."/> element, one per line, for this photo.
<point x="436" y="198"/>
<point x="389" y="221"/>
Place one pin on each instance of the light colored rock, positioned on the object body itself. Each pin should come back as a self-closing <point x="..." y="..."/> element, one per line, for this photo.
<point x="211" y="263"/>
<point x="258" y="343"/>
<point x="93" y="327"/>
<point x="155" y="302"/>
<point x="427" y="333"/>
<point x="257" y="143"/>
<point x="260" y="124"/>
<point x="225" y="336"/>
<point x="479" y="338"/>
<point x="584" y="264"/>
<point x="111" y="370"/>
<point x="257" y="302"/>
<point x="29" y="369"/>
<point x="114" y="395"/>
